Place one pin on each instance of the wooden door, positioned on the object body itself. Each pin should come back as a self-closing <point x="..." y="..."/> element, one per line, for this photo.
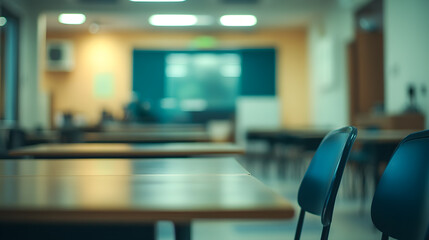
<point x="366" y="73"/>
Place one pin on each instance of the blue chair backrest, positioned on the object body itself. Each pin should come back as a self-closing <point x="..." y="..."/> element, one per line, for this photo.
<point x="400" y="207"/>
<point x="321" y="181"/>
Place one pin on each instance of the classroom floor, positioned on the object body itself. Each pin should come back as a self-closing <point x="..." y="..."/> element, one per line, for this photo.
<point x="351" y="218"/>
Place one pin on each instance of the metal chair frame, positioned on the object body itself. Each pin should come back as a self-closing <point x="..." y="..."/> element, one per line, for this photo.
<point x="404" y="188"/>
<point x="334" y="183"/>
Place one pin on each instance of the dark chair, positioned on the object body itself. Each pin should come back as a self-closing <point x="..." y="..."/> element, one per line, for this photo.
<point x="3" y="147"/>
<point x="16" y="138"/>
<point x="255" y="154"/>
<point x="400" y="207"/>
<point x="321" y="181"/>
<point x="71" y="135"/>
<point x="362" y="162"/>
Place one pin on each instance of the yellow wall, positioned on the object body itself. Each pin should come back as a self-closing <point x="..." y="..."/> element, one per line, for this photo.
<point x="112" y="53"/>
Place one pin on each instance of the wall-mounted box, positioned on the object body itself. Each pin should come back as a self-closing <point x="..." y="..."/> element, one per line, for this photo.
<point x="59" y="55"/>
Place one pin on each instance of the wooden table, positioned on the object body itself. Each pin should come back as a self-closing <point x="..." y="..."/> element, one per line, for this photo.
<point x="47" y="136"/>
<point x="306" y="138"/>
<point x="130" y="133"/>
<point x="147" y="127"/>
<point x="146" y="137"/>
<point x="122" y="150"/>
<point x="382" y="136"/>
<point x="310" y="138"/>
<point x="377" y="136"/>
<point x="381" y="144"/>
<point x="121" y="167"/>
<point x="296" y="132"/>
<point x="134" y="191"/>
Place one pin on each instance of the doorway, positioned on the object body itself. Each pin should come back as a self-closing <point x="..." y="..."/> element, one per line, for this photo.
<point x="366" y="63"/>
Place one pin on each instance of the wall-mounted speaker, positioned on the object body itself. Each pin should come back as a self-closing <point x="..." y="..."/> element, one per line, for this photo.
<point x="59" y="55"/>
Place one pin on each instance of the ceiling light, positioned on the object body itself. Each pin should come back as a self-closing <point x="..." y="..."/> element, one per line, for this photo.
<point x="3" y="21"/>
<point x="71" y="18"/>
<point x="238" y="20"/>
<point x="157" y="0"/>
<point x="172" y="20"/>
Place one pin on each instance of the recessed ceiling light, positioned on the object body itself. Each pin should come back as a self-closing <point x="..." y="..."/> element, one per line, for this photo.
<point x="238" y="20"/>
<point x="173" y="20"/>
<point x="157" y="0"/>
<point x="3" y="21"/>
<point x="71" y="18"/>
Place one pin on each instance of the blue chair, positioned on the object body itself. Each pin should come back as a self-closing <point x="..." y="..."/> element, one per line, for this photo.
<point x="400" y="207"/>
<point x="321" y="181"/>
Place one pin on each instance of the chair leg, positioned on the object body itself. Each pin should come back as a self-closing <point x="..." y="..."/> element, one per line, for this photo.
<point x="182" y="231"/>
<point x="281" y="167"/>
<point x="299" y="225"/>
<point x="325" y="232"/>
<point x="384" y="236"/>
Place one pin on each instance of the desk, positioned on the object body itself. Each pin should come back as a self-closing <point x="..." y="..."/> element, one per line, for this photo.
<point x="149" y="194"/>
<point x="302" y="133"/>
<point x="122" y="150"/>
<point x="139" y="198"/>
<point x="146" y="137"/>
<point x="381" y="144"/>
<point x="42" y="137"/>
<point x="365" y="136"/>
<point x="310" y="138"/>
<point x="140" y="127"/>
<point x="382" y="136"/>
<point x="120" y="167"/>
<point x="307" y="138"/>
<point x="131" y="133"/>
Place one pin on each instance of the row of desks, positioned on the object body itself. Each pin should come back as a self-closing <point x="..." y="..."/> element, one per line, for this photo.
<point x="127" y="133"/>
<point x="71" y="183"/>
<point x="380" y="144"/>
<point x="127" y="136"/>
<point x="165" y="136"/>
<point x="120" y="150"/>
<point x="364" y="136"/>
<point x="68" y="187"/>
<point x="140" y="190"/>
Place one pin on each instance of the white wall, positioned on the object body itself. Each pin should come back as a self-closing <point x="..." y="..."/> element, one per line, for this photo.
<point x="406" y="53"/>
<point x="328" y="37"/>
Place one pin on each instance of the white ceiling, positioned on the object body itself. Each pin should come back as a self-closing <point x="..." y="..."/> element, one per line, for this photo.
<point x="126" y="15"/>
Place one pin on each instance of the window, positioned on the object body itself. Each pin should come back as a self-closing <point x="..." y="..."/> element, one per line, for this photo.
<point x="9" y="39"/>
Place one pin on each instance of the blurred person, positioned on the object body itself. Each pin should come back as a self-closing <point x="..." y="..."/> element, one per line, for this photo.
<point x="137" y="111"/>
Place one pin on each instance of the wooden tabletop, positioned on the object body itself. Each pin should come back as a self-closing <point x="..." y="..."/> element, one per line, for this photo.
<point x="44" y="136"/>
<point x="122" y="150"/>
<point x="370" y="136"/>
<point x="147" y="127"/>
<point x="121" y="167"/>
<point x="150" y="136"/>
<point x="382" y="136"/>
<point x="112" y="196"/>
<point x="134" y="133"/>
<point x="290" y="132"/>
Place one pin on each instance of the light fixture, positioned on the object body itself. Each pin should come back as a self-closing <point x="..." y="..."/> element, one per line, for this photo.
<point x="3" y="21"/>
<point x="173" y="20"/>
<point x="72" y="18"/>
<point x="157" y="0"/>
<point x="238" y="20"/>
